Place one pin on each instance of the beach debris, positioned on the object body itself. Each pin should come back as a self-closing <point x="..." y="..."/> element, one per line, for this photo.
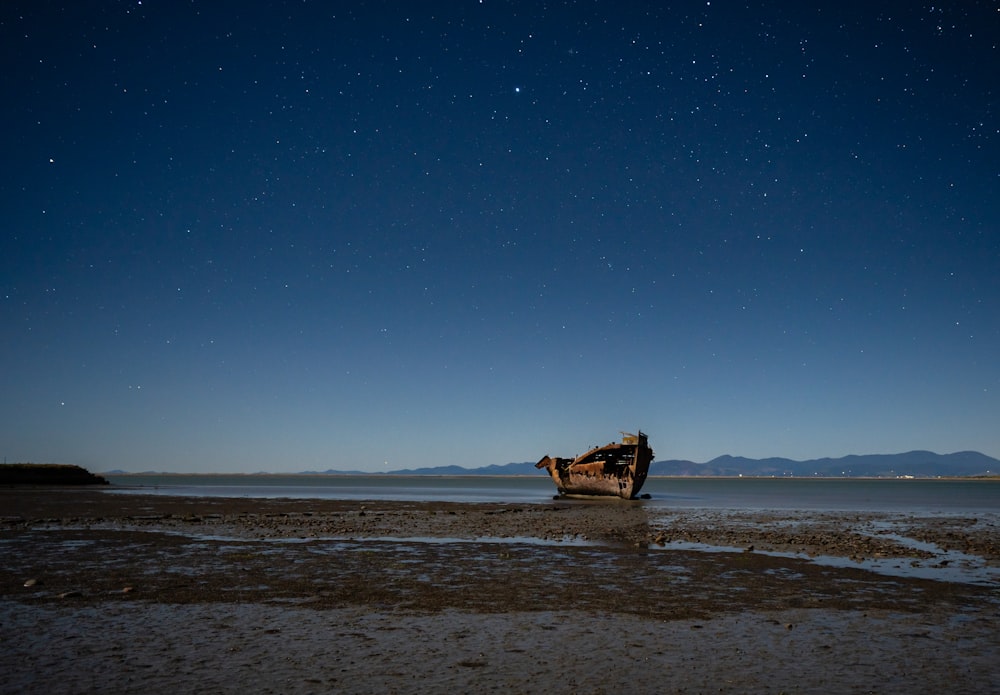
<point x="474" y="663"/>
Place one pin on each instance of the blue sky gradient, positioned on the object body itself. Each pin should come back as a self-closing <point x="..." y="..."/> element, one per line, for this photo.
<point x="250" y="236"/>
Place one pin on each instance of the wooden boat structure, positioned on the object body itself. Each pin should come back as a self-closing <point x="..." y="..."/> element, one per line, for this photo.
<point x="617" y="469"/>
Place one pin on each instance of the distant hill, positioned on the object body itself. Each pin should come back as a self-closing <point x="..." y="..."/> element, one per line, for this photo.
<point x="493" y="469"/>
<point x="918" y="464"/>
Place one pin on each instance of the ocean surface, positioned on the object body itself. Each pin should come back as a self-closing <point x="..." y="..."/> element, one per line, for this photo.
<point x="841" y="494"/>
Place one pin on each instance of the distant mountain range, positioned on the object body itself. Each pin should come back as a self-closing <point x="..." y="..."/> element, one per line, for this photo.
<point x="917" y="464"/>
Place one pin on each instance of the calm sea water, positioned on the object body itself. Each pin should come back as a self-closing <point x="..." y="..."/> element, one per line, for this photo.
<point x="848" y="494"/>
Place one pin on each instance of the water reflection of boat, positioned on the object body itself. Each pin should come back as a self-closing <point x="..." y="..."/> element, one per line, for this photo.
<point x="617" y="469"/>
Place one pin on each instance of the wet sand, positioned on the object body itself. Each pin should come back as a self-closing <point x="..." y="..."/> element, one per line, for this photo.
<point x="103" y="592"/>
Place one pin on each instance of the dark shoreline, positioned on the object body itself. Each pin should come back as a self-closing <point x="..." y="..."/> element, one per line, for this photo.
<point x="307" y="595"/>
<point x="38" y="522"/>
<point x="120" y="474"/>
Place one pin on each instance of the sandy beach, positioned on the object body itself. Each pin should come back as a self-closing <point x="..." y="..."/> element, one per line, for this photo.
<point x="105" y="592"/>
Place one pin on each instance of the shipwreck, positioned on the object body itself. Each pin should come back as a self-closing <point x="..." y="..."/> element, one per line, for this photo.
<point x="617" y="469"/>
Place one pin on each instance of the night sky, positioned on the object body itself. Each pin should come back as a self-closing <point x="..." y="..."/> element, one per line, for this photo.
<point x="248" y="236"/>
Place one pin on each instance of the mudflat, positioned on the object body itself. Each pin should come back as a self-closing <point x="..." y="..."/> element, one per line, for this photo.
<point x="113" y="592"/>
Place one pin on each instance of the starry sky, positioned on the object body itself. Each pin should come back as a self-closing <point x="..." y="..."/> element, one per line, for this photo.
<point x="284" y="236"/>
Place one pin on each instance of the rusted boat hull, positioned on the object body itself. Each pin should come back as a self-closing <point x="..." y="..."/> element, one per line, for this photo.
<point x="613" y="470"/>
